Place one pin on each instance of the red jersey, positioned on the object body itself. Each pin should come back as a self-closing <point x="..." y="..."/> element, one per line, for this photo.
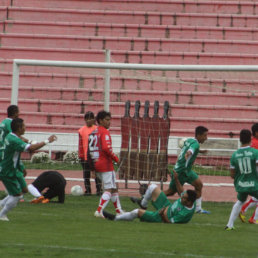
<point x="84" y="133"/>
<point x="100" y="151"/>
<point x="254" y="143"/>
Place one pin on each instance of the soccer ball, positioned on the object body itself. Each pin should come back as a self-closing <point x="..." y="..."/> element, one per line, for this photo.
<point x="181" y="142"/>
<point x="76" y="190"/>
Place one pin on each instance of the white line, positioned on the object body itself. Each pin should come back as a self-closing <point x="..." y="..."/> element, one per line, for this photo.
<point x="107" y="250"/>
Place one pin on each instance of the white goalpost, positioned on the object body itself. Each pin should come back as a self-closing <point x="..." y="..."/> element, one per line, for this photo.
<point x="165" y="75"/>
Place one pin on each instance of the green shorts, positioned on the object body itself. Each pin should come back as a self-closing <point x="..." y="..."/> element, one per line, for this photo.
<point x="14" y="185"/>
<point x="183" y="178"/>
<point x="153" y="216"/>
<point x="243" y="196"/>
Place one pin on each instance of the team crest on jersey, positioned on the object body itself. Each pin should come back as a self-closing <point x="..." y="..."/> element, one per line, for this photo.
<point x="179" y="209"/>
<point x="107" y="138"/>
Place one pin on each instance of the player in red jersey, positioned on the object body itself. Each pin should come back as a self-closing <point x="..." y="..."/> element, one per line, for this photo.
<point x="101" y="157"/>
<point x="253" y="201"/>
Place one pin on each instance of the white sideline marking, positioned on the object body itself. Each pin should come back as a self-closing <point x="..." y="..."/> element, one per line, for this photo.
<point x="136" y="182"/>
<point x="106" y="250"/>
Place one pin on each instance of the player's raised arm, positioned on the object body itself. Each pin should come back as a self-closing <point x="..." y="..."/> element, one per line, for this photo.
<point x="179" y="187"/>
<point x="39" y="145"/>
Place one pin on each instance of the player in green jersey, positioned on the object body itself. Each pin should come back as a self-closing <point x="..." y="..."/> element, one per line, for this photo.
<point x="5" y="126"/>
<point x="243" y="165"/>
<point x="184" y="164"/>
<point x="5" y="129"/>
<point x="181" y="211"/>
<point x="10" y="170"/>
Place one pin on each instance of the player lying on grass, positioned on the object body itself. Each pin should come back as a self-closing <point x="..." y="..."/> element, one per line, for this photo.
<point x="181" y="211"/>
<point x="253" y="202"/>
<point x="53" y="182"/>
<point x="184" y="164"/>
<point x="243" y="165"/>
<point x="11" y="173"/>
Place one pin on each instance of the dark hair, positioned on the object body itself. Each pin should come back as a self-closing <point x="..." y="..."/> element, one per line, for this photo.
<point x="12" y="110"/>
<point x="16" y="124"/>
<point x="200" y="130"/>
<point x="191" y="195"/>
<point x="254" y="128"/>
<point x="245" y="136"/>
<point x="102" y="114"/>
<point x="89" y="115"/>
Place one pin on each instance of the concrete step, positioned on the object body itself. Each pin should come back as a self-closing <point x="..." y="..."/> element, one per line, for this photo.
<point x="128" y="30"/>
<point x="129" y="44"/>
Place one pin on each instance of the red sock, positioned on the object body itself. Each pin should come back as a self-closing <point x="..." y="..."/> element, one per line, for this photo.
<point x="246" y="205"/>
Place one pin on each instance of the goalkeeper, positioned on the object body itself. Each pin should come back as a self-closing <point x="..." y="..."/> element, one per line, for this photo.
<point x="184" y="164"/>
<point x="181" y="211"/>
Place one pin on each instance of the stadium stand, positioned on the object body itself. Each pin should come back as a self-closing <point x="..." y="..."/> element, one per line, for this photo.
<point x="161" y="32"/>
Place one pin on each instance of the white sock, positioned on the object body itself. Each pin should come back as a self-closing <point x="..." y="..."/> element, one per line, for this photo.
<point x="198" y="204"/>
<point x="234" y="213"/>
<point x="116" y="201"/>
<point x="33" y="191"/>
<point x="3" y="202"/>
<point x="128" y="215"/>
<point x="256" y="213"/>
<point x="10" y="204"/>
<point x="148" y="194"/>
<point x="104" y="200"/>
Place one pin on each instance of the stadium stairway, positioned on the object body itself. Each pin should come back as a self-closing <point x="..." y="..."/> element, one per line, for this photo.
<point x="162" y="32"/>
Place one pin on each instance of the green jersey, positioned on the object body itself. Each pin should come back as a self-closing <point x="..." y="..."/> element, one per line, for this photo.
<point x="178" y="213"/>
<point x="11" y="165"/>
<point x="5" y="129"/>
<point x="244" y="162"/>
<point x="183" y="165"/>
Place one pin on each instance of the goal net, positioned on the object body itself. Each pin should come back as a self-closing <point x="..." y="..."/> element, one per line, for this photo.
<point x="153" y="107"/>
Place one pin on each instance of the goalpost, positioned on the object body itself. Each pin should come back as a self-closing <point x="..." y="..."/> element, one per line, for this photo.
<point x="159" y="79"/>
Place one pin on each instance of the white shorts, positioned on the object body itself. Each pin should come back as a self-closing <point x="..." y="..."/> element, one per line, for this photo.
<point x="108" y="179"/>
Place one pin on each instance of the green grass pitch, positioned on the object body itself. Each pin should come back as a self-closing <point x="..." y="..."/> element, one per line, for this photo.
<point x="71" y="230"/>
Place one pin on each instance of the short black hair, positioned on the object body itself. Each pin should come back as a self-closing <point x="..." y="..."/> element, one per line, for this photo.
<point x="254" y="128"/>
<point x="245" y="136"/>
<point x="200" y="130"/>
<point x="16" y="124"/>
<point x="89" y="115"/>
<point x="12" y="110"/>
<point x="191" y="195"/>
<point x="102" y="114"/>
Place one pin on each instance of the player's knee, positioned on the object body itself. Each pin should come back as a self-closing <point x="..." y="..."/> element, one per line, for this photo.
<point x="25" y="190"/>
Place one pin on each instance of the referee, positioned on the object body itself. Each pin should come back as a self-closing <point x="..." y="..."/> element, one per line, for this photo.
<point x="54" y="181"/>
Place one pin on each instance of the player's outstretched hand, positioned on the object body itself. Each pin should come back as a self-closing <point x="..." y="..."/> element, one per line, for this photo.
<point x="175" y="173"/>
<point x="52" y="138"/>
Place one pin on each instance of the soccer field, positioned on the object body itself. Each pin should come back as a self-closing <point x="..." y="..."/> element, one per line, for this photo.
<point x="71" y="230"/>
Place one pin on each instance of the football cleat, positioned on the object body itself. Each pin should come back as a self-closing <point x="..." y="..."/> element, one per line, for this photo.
<point x="4" y="218"/>
<point x="253" y="221"/>
<point x="38" y="200"/>
<point x="229" y="229"/>
<point x="202" y="211"/>
<point x="143" y="188"/>
<point x="109" y="216"/>
<point x="45" y="200"/>
<point x="242" y="216"/>
<point x="99" y="215"/>
<point x="138" y="201"/>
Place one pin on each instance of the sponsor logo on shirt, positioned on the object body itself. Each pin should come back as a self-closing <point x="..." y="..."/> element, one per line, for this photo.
<point x="246" y="184"/>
